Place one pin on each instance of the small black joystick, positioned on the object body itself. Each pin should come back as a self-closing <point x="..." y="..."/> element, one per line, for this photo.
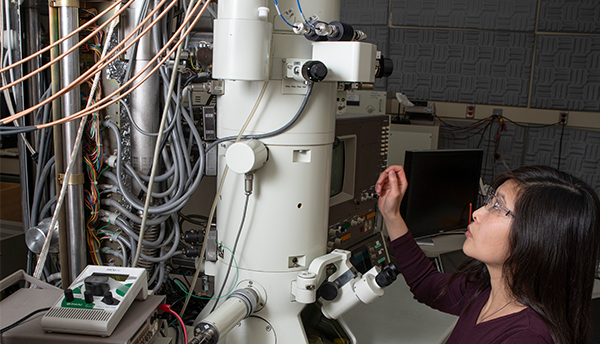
<point x="314" y="71"/>
<point x="109" y="299"/>
<point x="387" y="276"/>
<point x="328" y="291"/>
<point x="97" y="284"/>
<point x="89" y="297"/>
<point x="69" y="297"/>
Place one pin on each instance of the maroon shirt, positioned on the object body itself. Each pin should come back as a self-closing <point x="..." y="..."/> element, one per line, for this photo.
<point x="426" y="283"/>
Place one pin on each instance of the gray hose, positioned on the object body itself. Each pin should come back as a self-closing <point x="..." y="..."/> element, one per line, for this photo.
<point x="173" y="251"/>
<point x="134" y="48"/>
<point x="135" y="125"/>
<point x="115" y="253"/>
<point x="165" y="176"/>
<point x="47" y="207"/>
<point x="112" y="203"/>
<point x="140" y="183"/>
<point x="151" y="244"/>
<point x="39" y="188"/>
<point x="174" y="204"/>
<point x="113" y="177"/>
<point x="161" y="274"/>
<point x="275" y="132"/>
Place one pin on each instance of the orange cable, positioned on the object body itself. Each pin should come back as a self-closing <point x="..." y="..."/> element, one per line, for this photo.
<point x="105" y="102"/>
<point x="60" y="57"/>
<point x="95" y="68"/>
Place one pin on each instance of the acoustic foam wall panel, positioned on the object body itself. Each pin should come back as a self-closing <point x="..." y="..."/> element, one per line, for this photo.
<point x="366" y="12"/>
<point x="577" y="16"/>
<point x="508" y="15"/>
<point x="567" y="73"/>
<point x="484" y="67"/>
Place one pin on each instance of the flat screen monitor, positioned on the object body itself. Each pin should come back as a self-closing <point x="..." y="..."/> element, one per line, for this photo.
<point x="443" y="187"/>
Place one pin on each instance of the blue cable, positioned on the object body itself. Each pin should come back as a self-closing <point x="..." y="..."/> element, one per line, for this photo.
<point x="302" y="15"/>
<point x="279" y="12"/>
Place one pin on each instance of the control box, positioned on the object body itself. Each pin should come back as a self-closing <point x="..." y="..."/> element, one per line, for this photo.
<point x="359" y="156"/>
<point x="351" y="230"/>
<point x="96" y="301"/>
<point x="360" y="103"/>
<point x="369" y="253"/>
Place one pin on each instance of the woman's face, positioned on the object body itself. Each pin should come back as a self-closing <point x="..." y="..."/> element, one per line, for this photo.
<point x="487" y="235"/>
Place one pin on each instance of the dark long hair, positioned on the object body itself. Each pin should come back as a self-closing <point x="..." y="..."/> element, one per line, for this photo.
<point x="554" y="245"/>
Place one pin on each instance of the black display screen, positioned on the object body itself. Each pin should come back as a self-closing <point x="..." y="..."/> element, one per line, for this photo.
<point x="442" y="187"/>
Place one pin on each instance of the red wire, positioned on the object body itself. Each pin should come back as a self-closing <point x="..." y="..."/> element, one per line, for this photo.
<point x="167" y="308"/>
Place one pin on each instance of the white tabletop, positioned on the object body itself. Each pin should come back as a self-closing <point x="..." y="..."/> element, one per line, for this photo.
<point x="397" y="317"/>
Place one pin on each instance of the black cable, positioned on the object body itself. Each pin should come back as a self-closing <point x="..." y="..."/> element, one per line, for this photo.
<point x="209" y="100"/>
<point x="483" y="134"/>
<point x="16" y="130"/>
<point x="233" y="251"/>
<point x="20" y="321"/>
<point x="530" y="126"/>
<point x="467" y="127"/>
<point x="562" y="132"/>
<point x="177" y="329"/>
<point x="486" y="154"/>
<point x="190" y="218"/>
<point x="196" y="77"/>
<point x="466" y="137"/>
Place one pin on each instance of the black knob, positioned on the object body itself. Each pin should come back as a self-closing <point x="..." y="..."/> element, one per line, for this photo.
<point x="89" y="297"/>
<point x="387" y="276"/>
<point x="69" y="295"/>
<point x="345" y="32"/>
<point x="193" y="237"/>
<point x="385" y="67"/>
<point x="191" y="252"/>
<point x="97" y="284"/>
<point x="314" y="71"/>
<point x="328" y="291"/>
<point x="108" y="299"/>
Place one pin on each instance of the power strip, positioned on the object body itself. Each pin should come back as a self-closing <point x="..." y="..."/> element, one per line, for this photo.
<point x="96" y="301"/>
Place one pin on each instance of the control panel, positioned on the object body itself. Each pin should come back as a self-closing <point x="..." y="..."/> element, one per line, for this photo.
<point x="349" y="231"/>
<point x="369" y="253"/>
<point x="96" y="301"/>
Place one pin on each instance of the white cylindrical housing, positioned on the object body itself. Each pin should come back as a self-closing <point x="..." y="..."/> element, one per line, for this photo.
<point x="227" y="315"/>
<point x="287" y="213"/>
<point x="235" y="9"/>
<point x="242" y="49"/>
<point x="245" y="156"/>
<point x="306" y="291"/>
<point x="367" y="289"/>
<point x="345" y="300"/>
<point x="285" y="227"/>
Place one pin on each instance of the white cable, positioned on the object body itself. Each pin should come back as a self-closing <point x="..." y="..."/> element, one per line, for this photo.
<point x="44" y="253"/>
<point x="10" y="42"/>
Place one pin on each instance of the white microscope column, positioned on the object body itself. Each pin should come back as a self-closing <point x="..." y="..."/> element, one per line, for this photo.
<point x="288" y="210"/>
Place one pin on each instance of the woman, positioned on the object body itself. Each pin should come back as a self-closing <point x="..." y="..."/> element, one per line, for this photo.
<point x="533" y="251"/>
